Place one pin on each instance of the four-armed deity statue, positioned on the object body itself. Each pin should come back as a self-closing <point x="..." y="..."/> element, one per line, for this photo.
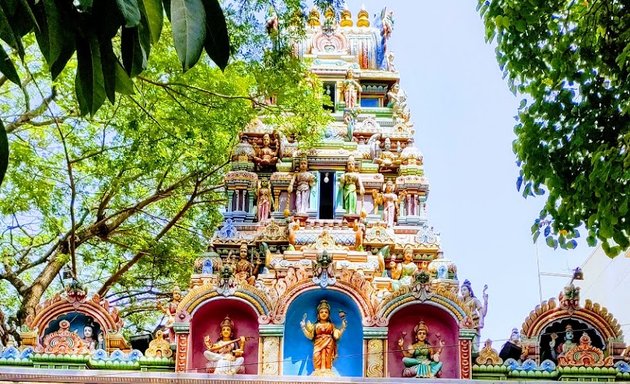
<point x="225" y="356"/>
<point x="325" y="336"/>
<point x="421" y="359"/>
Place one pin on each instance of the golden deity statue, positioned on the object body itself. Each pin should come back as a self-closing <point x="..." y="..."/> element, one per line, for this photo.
<point x="324" y="335"/>
<point x="225" y="356"/>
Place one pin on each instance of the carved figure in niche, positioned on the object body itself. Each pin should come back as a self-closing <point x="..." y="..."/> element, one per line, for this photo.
<point x="226" y="354"/>
<point x="264" y="200"/>
<point x="512" y="348"/>
<point x="359" y="231"/>
<point x="169" y="311"/>
<point x="88" y="338"/>
<point x="324" y="335"/>
<point x="302" y="182"/>
<point x="389" y="204"/>
<point x="266" y="156"/>
<point x="560" y="349"/>
<point x="351" y="90"/>
<point x="403" y="273"/>
<point x="349" y="183"/>
<point x="244" y="268"/>
<point x="387" y="158"/>
<point x="420" y="358"/>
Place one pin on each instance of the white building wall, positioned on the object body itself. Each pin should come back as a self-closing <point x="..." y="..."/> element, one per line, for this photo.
<point x="607" y="282"/>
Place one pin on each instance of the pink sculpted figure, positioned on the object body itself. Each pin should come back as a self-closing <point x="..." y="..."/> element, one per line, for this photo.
<point x="389" y="204"/>
<point x="302" y="182"/>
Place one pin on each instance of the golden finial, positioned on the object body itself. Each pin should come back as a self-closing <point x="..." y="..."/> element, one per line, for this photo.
<point x="329" y="13"/>
<point x="346" y="17"/>
<point x="363" y="18"/>
<point x="313" y="18"/>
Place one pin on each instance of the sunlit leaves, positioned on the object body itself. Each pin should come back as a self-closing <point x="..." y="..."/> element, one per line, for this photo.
<point x="570" y="61"/>
<point x="189" y="30"/>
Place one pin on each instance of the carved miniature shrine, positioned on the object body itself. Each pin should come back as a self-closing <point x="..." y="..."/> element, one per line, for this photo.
<point x="326" y="263"/>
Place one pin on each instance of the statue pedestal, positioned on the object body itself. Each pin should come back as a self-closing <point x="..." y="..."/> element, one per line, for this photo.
<point x="373" y="218"/>
<point x="383" y="283"/>
<point x="301" y="217"/>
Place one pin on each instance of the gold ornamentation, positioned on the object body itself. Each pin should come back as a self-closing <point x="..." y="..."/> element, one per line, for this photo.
<point x="159" y="347"/>
<point x="488" y="355"/>
<point x="585" y="355"/>
<point x="375" y="358"/>
<point x="273" y="233"/>
<point x="63" y="342"/>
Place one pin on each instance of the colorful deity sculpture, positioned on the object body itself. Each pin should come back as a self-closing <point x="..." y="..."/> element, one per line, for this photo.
<point x="420" y="358"/>
<point x="266" y="156"/>
<point x="349" y="183"/>
<point x="325" y="336"/>
<point x="226" y="354"/>
<point x="390" y="199"/>
<point x="264" y="201"/>
<point x="169" y="311"/>
<point x="302" y="182"/>
<point x="351" y="90"/>
<point x="556" y="349"/>
<point x="244" y="268"/>
<point x="402" y="274"/>
<point x="88" y="338"/>
<point x="475" y="306"/>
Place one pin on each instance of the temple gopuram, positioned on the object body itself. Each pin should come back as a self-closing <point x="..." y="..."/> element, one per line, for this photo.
<point x="326" y="266"/>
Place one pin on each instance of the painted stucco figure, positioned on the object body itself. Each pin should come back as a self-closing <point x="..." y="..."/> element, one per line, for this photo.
<point x="169" y="311"/>
<point x="226" y="354"/>
<point x="402" y="274"/>
<point x="325" y="336"/>
<point x="351" y="90"/>
<point x="420" y="358"/>
<point x="350" y="183"/>
<point x="301" y="183"/>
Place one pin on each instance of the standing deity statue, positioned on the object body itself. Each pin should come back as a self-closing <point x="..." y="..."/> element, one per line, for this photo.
<point x="398" y="102"/>
<point x="389" y="204"/>
<point x="475" y="306"/>
<point x="169" y="311"/>
<point x="402" y="274"/>
<point x="351" y="90"/>
<point x="266" y="156"/>
<point x="226" y="354"/>
<point x="390" y="61"/>
<point x="302" y="182"/>
<point x="324" y="335"/>
<point x="264" y="201"/>
<point x="349" y="183"/>
<point x="420" y="358"/>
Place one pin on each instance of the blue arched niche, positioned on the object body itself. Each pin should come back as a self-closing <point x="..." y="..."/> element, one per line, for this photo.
<point x="298" y="350"/>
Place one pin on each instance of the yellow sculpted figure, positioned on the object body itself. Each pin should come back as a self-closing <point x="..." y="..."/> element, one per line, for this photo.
<point x="325" y="337"/>
<point x="226" y="355"/>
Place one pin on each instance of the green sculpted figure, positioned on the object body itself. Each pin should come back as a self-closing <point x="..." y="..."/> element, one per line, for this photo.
<point x="349" y="183"/>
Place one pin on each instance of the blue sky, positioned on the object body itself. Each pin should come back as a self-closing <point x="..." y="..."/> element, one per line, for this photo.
<point x="464" y="115"/>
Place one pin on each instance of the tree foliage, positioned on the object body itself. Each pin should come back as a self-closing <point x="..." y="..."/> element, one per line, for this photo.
<point x="571" y="61"/>
<point x="111" y="40"/>
<point x="131" y="195"/>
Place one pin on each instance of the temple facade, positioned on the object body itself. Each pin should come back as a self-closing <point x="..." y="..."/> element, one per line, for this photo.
<point x="326" y="263"/>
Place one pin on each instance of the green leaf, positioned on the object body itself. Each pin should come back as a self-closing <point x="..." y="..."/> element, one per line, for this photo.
<point x="189" y="30"/>
<point x="6" y="31"/>
<point x="134" y="46"/>
<point x="56" y="42"/>
<point x="130" y="11"/>
<point x="217" y="43"/>
<point x="90" y="84"/>
<point x="123" y="82"/>
<point x="7" y="68"/>
<point x="155" y="18"/>
<point x="108" y="61"/>
<point x="4" y="152"/>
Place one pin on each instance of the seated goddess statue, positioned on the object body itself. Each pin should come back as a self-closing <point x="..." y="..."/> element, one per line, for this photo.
<point x="421" y="359"/>
<point x="226" y="355"/>
<point x="266" y="156"/>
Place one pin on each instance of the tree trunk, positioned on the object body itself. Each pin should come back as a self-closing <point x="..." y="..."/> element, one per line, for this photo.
<point x="33" y="294"/>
